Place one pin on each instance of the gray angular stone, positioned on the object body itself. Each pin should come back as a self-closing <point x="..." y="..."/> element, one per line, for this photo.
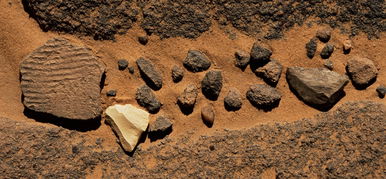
<point x="160" y="125"/>
<point x="147" y="99"/>
<point x="270" y="72"/>
<point x="318" y="87"/>
<point x="362" y="71"/>
<point x="263" y="96"/>
<point x="196" y="61"/>
<point x="149" y="73"/>
<point x="233" y="101"/>
<point x="211" y="84"/>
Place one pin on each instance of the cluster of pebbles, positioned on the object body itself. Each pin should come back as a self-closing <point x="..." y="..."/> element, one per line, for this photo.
<point x="55" y="76"/>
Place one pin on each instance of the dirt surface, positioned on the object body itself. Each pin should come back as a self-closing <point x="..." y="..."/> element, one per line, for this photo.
<point x="348" y="142"/>
<point x="274" y="153"/>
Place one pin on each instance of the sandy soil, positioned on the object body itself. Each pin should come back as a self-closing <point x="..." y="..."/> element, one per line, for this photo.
<point x="20" y="35"/>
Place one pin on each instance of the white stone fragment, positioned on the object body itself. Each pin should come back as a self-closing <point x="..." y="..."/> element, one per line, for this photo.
<point x="128" y="122"/>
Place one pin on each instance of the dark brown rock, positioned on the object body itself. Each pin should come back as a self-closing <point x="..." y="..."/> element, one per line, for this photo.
<point x="63" y="80"/>
<point x="327" y="51"/>
<point x="362" y="72"/>
<point x="260" y="53"/>
<point x="311" y="47"/>
<point x="233" y="101"/>
<point x="324" y="34"/>
<point x="147" y="99"/>
<point x="381" y="90"/>
<point x="196" y="61"/>
<point x="111" y="93"/>
<point x="160" y="125"/>
<point x="211" y="85"/>
<point x="263" y="96"/>
<point x="177" y="74"/>
<point x="122" y="64"/>
<point x="270" y="72"/>
<point x="242" y="59"/>
<point x="208" y="115"/>
<point x="149" y="73"/>
<point x="187" y="99"/>
<point x="143" y="40"/>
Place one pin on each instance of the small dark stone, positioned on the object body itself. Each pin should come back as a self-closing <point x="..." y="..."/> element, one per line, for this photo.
<point x="328" y="64"/>
<point x="311" y="47"/>
<point x="75" y="149"/>
<point x="270" y="72"/>
<point x="177" y="74"/>
<point x="122" y="64"/>
<point x="196" y="61"/>
<point x="149" y="73"/>
<point x="211" y="147"/>
<point x="207" y="115"/>
<point x="111" y="93"/>
<point x="160" y="125"/>
<point x="260" y="53"/>
<point x="233" y="101"/>
<point x="143" y="40"/>
<point x="327" y="51"/>
<point x="131" y="70"/>
<point x="187" y="99"/>
<point x="146" y="98"/>
<point x="242" y="59"/>
<point x="324" y="35"/>
<point x="211" y="85"/>
<point x="381" y="91"/>
<point x="263" y="96"/>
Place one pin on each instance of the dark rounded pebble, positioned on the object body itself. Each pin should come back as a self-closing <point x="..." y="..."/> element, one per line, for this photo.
<point x="233" y="101"/>
<point x="111" y="93"/>
<point x="324" y="35"/>
<point x="263" y="96"/>
<point x="122" y="64"/>
<point x="242" y="59"/>
<point x="143" y="40"/>
<point x="131" y="70"/>
<point x="311" y="48"/>
<point x="381" y="91"/>
<point x="327" y="51"/>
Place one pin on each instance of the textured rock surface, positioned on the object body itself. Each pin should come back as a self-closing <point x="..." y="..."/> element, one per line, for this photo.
<point x="187" y="99"/>
<point x="263" y="96"/>
<point x="345" y="143"/>
<point x="362" y="71"/>
<point x="122" y="64"/>
<point x="183" y="18"/>
<point x="211" y="84"/>
<point x="324" y="34"/>
<point x="208" y="115"/>
<point x="242" y="59"/>
<point x="381" y="90"/>
<point x="128" y="123"/>
<point x="177" y="74"/>
<point x="102" y="20"/>
<point x="149" y="73"/>
<point x="327" y="51"/>
<point x="270" y="72"/>
<point x="62" y="79"/>
<point x="196" y="61"/>
<point x="260" y="53"/>
<point x="233" y="101"/>
<point x="319" y="87"/>
<point x="161" y="124"/>
<point x="311" y="47"/>
<point x="147" y="99"/>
